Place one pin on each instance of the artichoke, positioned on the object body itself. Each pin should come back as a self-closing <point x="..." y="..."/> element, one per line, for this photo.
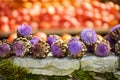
<point x="76" y="48"/>
<point x="52" y="38"/>
<point x="24" y="31"/>
<point x="20" y="46"/>
<point x="102" y="48"/>
<point x="40" y="49"/>
<point x="5" y="49"/>
<point x="59" y="49"/>
<point x="88" y="36"/>
<point x="115" y="32"/>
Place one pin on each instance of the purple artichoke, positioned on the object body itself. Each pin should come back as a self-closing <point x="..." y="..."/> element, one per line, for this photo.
<point x="59" y="49"/>
<point x="34" y="40"/>
<point x="40" y="49"/>
<point x="89" y="36"/>
<point x="117" y="47"/>
<point x="115" y="32"/>
<point x="21" y="46"/>
<point x="4" y="50"/>
<point x="52" y="38"/>
<point x="24" y="31"/>
<point x="102" y="49"/>
<point x="18" y="48"/>
<point x="76" y="48"/>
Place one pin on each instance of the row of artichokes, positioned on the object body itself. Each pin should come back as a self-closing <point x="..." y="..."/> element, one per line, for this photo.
<point x="88" y="41"/>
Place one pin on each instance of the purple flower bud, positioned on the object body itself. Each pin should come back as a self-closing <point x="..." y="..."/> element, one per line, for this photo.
<point x="115" y="33"/>
<point x="76" y="48"/>
<point x="4" y="50"/>
<point x="89" y="36"/>
<point x="102" y="49"/>
<point x="40" y="49"/>
<point x="52" y="38"/>
<point x="21" y="46"/>
<point x="115" y="28"/>
<point x="25" y="30"/>
<point x="34" y="40"/>
<point x="56" y="50"/>
<point x="18" y="48"/>
<point x="59" y="49"/>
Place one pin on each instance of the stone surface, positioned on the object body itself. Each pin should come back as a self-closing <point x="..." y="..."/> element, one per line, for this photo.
<point x="117" y="75"/>
<point x="91" y="62"/>
<point x="65" y="66"/>
<point x="49" y="65"/>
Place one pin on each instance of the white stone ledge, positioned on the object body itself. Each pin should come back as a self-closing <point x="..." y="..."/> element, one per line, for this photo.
<point x="65" y="66"/>
<point x="49" y="65"/>
<point x="99" y="64"/>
